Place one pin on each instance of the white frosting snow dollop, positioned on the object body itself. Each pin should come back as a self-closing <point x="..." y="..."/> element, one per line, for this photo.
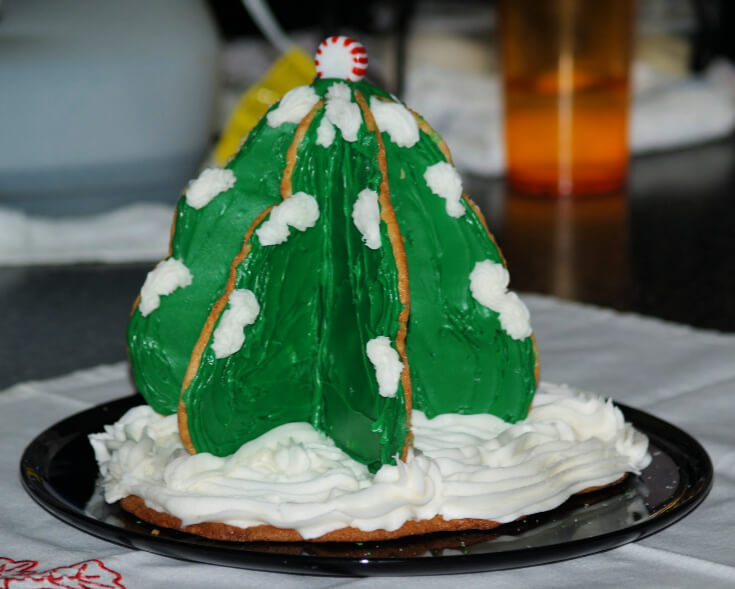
<point x="462" y="466"/>
<point x="242" y="310"/>
<point x="299" y="211"/>
<point x="294" y="106"/>
<point x="387" y="363"/>
<point x="325" y="132"/>
<point x="366" y="216"/>
<point x="165" y="278"/>
<point x="489" y="286"/>
<point x="342" y="112"/>
<point x="444" y="181"/>
<point x="396" y="120"/>
<point x="210" y="183"/>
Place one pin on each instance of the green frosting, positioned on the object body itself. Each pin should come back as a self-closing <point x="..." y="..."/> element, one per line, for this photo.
<point x="323" y="294"/>
<point x="205" y="240"/>
<point x="461" y="360"/>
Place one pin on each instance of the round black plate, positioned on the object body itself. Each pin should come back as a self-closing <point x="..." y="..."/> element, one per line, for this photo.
<point x="59" y="471"/>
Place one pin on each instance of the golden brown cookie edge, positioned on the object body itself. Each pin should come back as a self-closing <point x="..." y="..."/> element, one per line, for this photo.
<point x="267" y="533"/>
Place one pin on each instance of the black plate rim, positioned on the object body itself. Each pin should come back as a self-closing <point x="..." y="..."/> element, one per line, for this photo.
<point x="218" y="553"/>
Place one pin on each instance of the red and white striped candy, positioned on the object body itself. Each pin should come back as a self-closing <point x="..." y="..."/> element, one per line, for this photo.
<point x="341" y="57"/>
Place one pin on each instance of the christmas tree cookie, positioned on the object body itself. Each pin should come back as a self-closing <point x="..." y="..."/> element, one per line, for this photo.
<point x="332" y="273"/>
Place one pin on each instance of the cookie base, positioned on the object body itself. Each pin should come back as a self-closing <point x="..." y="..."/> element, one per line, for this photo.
<point x="267" y="533"/>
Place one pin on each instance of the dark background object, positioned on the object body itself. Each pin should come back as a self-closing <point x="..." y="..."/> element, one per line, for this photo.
<point x="713" y="36"/>
<point x="330" y="17"/>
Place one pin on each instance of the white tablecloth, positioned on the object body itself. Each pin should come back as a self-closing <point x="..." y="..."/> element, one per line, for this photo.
<point x="682" y="375"/>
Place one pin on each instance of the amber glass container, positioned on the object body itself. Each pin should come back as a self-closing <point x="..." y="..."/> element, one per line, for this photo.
<point x="566" y="71"/>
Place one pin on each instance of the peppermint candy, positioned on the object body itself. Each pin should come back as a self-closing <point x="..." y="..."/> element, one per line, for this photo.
<point x="341" y="57"/>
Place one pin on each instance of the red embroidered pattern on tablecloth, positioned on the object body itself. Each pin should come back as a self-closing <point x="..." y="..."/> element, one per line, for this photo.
<point x="90" y="574"/>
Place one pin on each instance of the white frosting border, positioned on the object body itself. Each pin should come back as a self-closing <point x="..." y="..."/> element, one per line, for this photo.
<point x="294" y="477"/>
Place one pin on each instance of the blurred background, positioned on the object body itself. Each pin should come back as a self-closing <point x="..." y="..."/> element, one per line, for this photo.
<point x="109" y="109"/>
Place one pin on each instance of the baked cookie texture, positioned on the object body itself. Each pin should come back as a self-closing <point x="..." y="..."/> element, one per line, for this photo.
<point x="335" y="273"/>
<point x="267" y="533"/>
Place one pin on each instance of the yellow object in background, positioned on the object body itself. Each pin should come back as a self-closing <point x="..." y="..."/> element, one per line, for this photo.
<point x="293" y="68"/>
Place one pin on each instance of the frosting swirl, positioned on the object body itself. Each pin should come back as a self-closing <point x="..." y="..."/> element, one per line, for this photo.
<point x="462" y="466"/>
